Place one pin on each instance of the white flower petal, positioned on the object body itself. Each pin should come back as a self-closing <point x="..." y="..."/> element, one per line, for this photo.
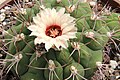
<point x="33" y="27"/>
<point x="44" y="28"/>
<point x="60" y="43"/>
<point x="61" y="11"/>
<point x="69" y="28"/>
<point x="37" y="41"/>
<point x="48" y="45"/>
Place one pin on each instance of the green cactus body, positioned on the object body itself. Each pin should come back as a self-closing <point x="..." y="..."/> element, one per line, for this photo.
<point x="83" y="56"/>
<point x="101" y="27"/>
<point x="83" y="10"/>
<point x="64" y="57"/>
<point x="79" y="36"/>
<point x="54" y="71"/>
<point x="30" y="14"/>
<point x="116" y="35"/>
<point x="68" y="71"/>
<point x="66" y="3"/>
<point x="97" y="56"/>
<point x="34" y="63"/>
<point x="32" y="76"/>
<point x="16" y="46"/>
<point x="21" y="28"/>
<point x="82" y="25"/>
<point x="22" y="64"/>
<point x="93" y="40"/>
<point x="51" y="54"/>
<point x="84" y="48"/>
<point x="38" y="62"/>
<point x="29" y="48"/>
<point x="113" y="25"/>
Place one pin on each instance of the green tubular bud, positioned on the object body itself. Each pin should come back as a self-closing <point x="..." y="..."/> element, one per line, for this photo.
<point x="84" y="55"/>
<point x="51" y="54"/>
<point x="74" y="69"/>
<point x="94" y="40"/>
<point x="54" y="67"/>
<point x="63" y="57"/>
<point x="97" y="56"/>
<point x="29" y="48"/>
<point x="31" y="76"/>
<point x="81" y="24"/>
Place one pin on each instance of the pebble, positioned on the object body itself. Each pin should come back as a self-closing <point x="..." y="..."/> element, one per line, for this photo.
<point x="2" y="17"/>
<point x="4" y="23"/>
<point x="7" y="8"/>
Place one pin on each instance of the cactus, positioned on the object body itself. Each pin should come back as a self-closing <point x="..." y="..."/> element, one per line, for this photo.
<point x="31" y="61"/>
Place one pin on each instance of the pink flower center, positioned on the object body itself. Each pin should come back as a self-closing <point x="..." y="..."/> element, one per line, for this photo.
<point x="53" y="31"/>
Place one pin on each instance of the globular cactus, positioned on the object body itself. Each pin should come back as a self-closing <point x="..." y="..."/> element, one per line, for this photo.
<point x="72" y="57"/>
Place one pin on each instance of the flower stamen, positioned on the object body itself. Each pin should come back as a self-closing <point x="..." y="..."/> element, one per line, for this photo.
<point x="53" y="31"/>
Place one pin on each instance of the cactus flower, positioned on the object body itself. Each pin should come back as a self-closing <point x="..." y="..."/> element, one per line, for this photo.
<point x="54" y="28"/>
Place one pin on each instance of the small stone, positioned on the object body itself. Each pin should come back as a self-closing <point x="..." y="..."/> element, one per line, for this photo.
<point x="2" y="17"/>
<point x="113" y="64"/>
<point x="2" y="10"/>
<point x="112" y="78"/>
<point x="0" y="25"/>
<point x="118" y="77"/>
<point x="7" y="7"/>
<point x="4" y="23"/>
<point x="92" y="3"/>
<point x="1" y="55"/>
